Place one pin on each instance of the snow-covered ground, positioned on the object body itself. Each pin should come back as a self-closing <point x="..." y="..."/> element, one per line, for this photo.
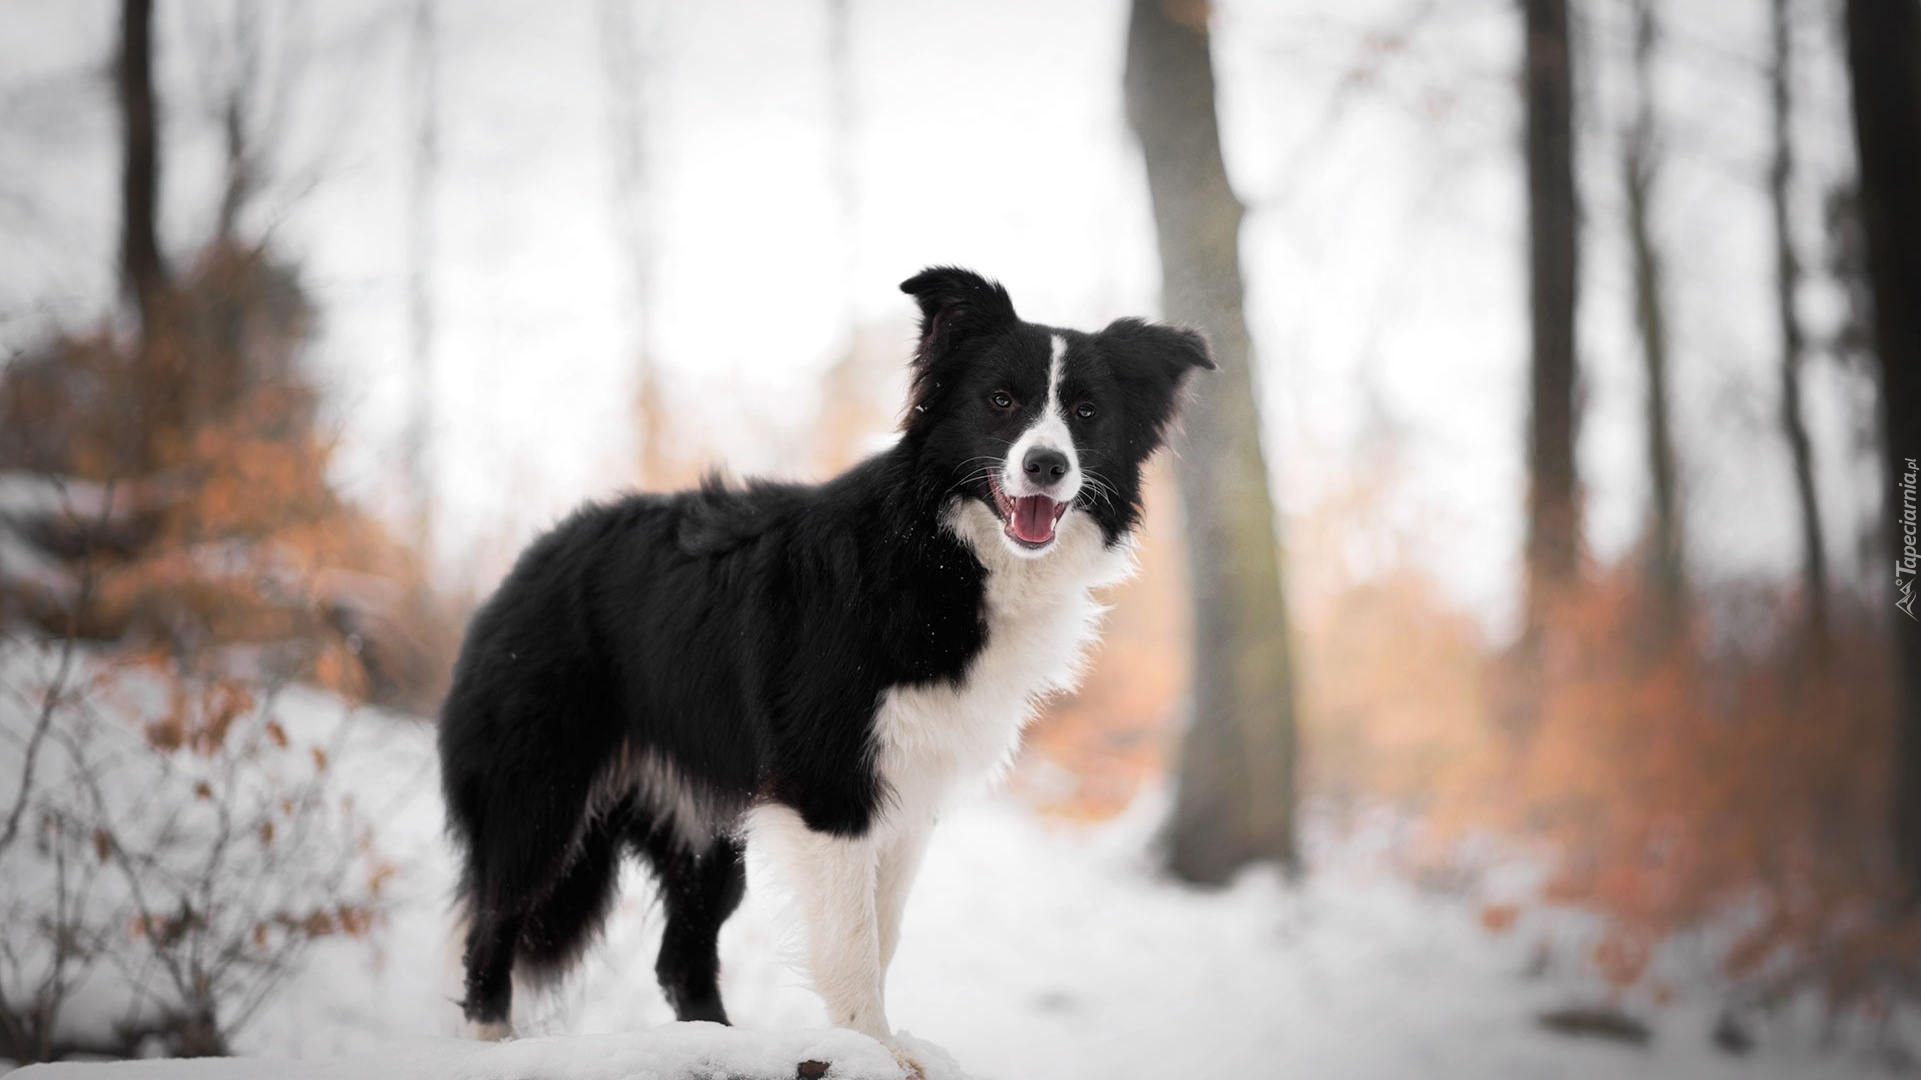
<point x="1032" y="948"/>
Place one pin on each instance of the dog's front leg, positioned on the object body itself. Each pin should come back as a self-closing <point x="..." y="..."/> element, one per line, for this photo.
<point x="835" y="881"/>
<point x="900" y="857"/>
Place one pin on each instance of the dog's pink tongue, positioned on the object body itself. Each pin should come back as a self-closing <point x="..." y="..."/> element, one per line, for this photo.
<point x="1034" y="518"/>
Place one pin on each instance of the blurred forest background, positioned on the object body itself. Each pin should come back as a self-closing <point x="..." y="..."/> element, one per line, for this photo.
<point x="1545" y="507"/>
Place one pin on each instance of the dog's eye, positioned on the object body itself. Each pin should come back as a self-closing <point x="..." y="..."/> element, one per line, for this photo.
<point x="1002" y="399"/>
<point x="1085" y="410"/>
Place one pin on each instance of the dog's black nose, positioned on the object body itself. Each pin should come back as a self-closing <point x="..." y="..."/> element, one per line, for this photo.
<point x="1044" y="464"/>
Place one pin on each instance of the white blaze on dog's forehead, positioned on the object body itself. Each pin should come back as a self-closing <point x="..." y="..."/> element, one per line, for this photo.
<point x="1050" y="431"/>
<point x="1056" y="366"/>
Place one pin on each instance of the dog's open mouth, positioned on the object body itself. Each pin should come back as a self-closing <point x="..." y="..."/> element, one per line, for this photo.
<point x="1028" y="520"/>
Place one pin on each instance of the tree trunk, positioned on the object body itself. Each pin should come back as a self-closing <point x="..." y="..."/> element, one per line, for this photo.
<point x="1787" y="282"/>
<point x="1884" y="62"/>
<point x="242" y="179"/>
<point x="1554" y="520"/>
<point x="424" y="155"/>
<point x="144" y="272"/>
<point x="153" y="431"/>
<point x="1552" y="550"/>
<point x="625" y="63"/>
<point x="1640" y="165"/>
<point x="1234" y="801"/>
<point x="843" y="151"/>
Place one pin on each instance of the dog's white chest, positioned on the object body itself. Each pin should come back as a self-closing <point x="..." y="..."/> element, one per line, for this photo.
<point x="1041" y="615"/>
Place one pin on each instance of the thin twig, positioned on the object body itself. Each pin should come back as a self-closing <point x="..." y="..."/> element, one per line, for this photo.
<point x="57" y="689"/>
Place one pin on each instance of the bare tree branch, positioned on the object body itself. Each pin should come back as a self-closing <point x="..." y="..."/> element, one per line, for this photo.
<point x="51" y="700"/>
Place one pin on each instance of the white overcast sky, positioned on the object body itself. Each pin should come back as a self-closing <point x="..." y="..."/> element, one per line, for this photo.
<point x="1382" y="249"/>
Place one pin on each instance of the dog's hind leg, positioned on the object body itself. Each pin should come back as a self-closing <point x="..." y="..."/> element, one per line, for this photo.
<point x="490" y="968"/>
<point x="699" y="891"/>
<point x="539" y="859"/>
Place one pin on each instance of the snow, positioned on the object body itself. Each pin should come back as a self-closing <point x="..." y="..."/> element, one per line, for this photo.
<point x="1032" y="948"/>
<point x="670" y="1052"/>
<point x="29" y="498"/>
<point x="33" y="495"/>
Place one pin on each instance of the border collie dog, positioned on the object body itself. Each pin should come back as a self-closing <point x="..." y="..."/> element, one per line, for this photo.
<point x="812" y="668"/>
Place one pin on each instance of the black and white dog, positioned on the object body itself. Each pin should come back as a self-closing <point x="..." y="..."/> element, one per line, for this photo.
<point x="815" y="668"/>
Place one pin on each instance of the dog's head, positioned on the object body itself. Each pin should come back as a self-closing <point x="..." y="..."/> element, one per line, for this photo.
<point x="1038" y="423"/>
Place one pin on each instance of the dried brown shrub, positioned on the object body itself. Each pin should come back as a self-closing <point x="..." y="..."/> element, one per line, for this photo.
<point x="209" y="519"/>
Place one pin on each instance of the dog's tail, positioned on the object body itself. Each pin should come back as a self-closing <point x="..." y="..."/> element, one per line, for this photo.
<point x="560" y="925"/>
<point x="530" y="908"/>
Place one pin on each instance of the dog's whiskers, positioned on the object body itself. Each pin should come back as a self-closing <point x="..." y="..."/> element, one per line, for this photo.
<point x="982" y="473"/>
<point x="1099" y="488"/>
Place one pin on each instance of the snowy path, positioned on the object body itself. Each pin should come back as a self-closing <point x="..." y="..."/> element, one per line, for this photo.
<point x="673" y="1052"/>
<point x="1031" y="949"/>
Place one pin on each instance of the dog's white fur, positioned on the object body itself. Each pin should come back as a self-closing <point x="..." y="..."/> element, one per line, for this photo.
<point x="934" y="740"/>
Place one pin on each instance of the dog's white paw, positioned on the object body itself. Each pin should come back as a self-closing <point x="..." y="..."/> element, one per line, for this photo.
<point x="907" y="1061"/>
<point x="497" y="1031"/>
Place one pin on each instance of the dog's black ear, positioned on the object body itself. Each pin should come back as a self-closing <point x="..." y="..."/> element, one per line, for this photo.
<point x="1152" y="362"/>
<point x="956" y="304"/>
<point x="1172" y="351"/>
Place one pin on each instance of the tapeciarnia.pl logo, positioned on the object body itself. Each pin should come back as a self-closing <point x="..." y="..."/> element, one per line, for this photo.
<point x="1906" y="565"/>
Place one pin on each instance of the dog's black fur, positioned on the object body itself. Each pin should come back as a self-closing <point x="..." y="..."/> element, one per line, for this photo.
<point x="736" y="642"/>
